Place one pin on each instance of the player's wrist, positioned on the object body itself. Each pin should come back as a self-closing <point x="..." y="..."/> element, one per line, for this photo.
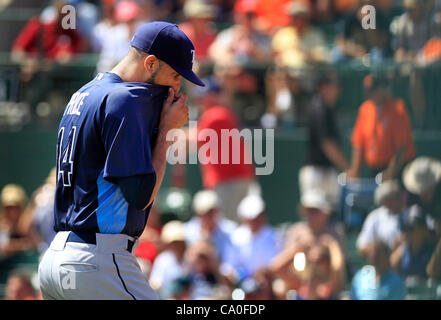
<point x="162" y="137"/>
<point x="164" y="129"/>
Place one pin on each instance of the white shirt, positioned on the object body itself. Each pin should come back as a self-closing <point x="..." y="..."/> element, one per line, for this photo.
<point x="166" y="268"/>
<point x="113" y="42"/>
<point x="255" y="250"/>
<point x="382" y="225"/>
<point x="220" y="238"/>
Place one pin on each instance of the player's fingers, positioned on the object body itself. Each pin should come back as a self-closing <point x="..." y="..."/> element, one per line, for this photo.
<point x="170" y="97"/>
<point x="182" y="100"/>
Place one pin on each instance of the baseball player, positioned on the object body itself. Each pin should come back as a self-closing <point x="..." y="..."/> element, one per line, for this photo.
<point x="111" y="159"/>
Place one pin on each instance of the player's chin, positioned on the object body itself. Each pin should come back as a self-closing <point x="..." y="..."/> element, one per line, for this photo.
<point x="176" y="85"/>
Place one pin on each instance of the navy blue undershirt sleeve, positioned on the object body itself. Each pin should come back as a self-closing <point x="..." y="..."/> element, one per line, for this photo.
<point x="137" y="190"/>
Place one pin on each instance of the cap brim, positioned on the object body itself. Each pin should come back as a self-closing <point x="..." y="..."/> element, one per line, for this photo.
<point x="190" y="76"/>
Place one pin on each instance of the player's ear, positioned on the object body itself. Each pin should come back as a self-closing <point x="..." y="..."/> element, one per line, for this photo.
<point x="151" y="63"/>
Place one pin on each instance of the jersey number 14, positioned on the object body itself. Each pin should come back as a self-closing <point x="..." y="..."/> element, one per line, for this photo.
<point x="65" y="156"/>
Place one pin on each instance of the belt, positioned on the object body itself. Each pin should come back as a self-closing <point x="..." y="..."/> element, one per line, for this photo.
<point x="90" y="238"/>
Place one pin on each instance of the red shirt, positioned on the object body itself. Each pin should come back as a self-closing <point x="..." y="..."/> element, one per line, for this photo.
<point x="146" y="250"/>
<point x="48" y="38"/>
<point x="202" y="39"/>
<point x="218" y="118"/>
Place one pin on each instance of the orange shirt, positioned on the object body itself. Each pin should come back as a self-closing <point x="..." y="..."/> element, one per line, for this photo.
<point x="380" y="135"/>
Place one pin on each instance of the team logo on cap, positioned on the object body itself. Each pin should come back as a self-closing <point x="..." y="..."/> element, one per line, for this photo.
<point x="192" y="56"/>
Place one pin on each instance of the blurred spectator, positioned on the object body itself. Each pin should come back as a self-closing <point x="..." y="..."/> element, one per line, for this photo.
<point x="208" y="225"/>
<point x="382" y="136"/>
<point x="231" y="181"/>
<point x="106" y="23"/>
<point x="288" y="93"/>
<point x="316" y="209"/>
<point x="272" y="14"/>
<point x="181" y="288"/>
<point x="383" y="224"/>
<point x="146" y="253"/>
<point x="148" y="10"/>
<point x="87" y="16"/>
<point x="437" y="16"/>
<point x="242" y="43"/>
<point x="345" y="7"/>
<point x="324" y="148"/>
<point x="149" y="242"/>
<point x="42" y="223"/>
<point x="299" y="44"/>
<point x="323" y="11"/>
<point x="434" y="266"/>
<point x="412" y="257"/>
<point x="297" y="48"/>
<point x="198" y="26"/>
<point x="431" y="51"/>
<point x="357" y="42"/>
<point x="169" y="264"/>
<point x="422" y="179"/>
<point x="316" y="271"/>
<point x="173" y="204"/>
<point x="260" y="286"/>
<point x="40" y="48"/>
<point x="43" y="37"/>
<point x="324" y="272"/>
<point x="115" y="39"/>
<point x="13" y="240"/>
<point x="378" y="281"/>
<point x="302" y="236"/>
<point x="204" y="273"/>
<point x="165" y="10"/>
<point x="19" y="287"/>
<point x="253" y="236"/>
<point x="412" y="30"/>
<point x="235" y="53"/>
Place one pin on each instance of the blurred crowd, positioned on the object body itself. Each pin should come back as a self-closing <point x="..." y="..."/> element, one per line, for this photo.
<point x="190" y="249"/>
<point x="290" y="41"/>
<point x="218" y="243"/>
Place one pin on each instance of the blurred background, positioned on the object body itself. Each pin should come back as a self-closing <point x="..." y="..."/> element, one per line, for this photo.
<point x="352" y="90"/>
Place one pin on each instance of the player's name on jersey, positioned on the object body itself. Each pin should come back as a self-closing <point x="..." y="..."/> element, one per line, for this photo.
<point x="75" y="103"/>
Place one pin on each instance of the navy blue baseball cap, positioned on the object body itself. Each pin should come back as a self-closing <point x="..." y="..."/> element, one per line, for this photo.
<point x="169" y="44"/>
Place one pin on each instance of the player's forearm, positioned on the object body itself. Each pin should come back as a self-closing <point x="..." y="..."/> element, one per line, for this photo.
<point x="337" y="266"/>
<point x="434" y="267"/>
<point x="334" y="153"/>
<point x="159" y="162"/>
<point x="396" y="162"/>
<point x="357" y="160"/>
<point x="174" y="115"/>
